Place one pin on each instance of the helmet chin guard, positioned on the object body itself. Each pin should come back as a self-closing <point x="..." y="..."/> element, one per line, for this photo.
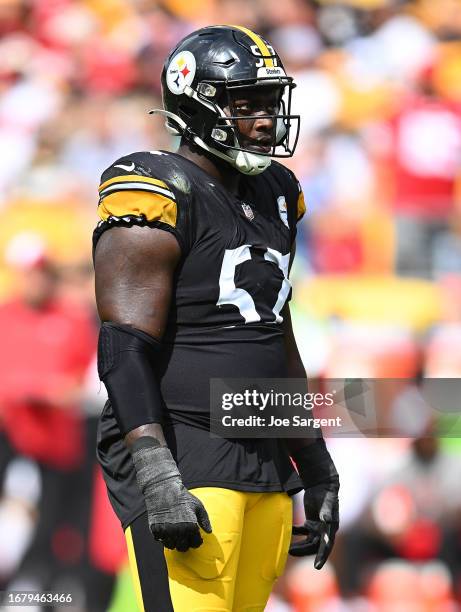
<point x="251" y="163"/>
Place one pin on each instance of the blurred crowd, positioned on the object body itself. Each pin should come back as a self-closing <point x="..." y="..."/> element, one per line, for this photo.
<point x="377" y="282"/>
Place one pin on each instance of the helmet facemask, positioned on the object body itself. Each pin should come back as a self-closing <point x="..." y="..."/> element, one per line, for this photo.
<point x="270" y="101"/>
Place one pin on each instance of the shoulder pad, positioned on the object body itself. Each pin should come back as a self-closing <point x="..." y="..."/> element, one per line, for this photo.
<point x="146" y="188"/>
<point x="145" y="166"/>
<point x="141" y="168"/>
<point x="134" y="186"/>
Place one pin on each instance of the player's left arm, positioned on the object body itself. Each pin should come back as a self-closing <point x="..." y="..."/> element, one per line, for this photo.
<point x="316" y="470"/>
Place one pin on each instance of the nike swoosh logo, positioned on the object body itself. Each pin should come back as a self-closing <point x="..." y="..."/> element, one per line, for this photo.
<point x="127" y="168"/>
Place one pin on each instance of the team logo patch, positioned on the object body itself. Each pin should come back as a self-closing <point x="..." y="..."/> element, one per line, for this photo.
<point x="249" y="214"/>
<point x="282" y="204"/>
<point x="180" y="72"/>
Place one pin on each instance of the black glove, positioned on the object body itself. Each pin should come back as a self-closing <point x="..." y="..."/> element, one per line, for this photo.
<point x="321" y="504"/>
<point x="174" y="514"/>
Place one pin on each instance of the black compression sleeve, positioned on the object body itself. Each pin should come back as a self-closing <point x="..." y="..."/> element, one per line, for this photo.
<point x="314" y="463"/>
<point x="126" y="356"/>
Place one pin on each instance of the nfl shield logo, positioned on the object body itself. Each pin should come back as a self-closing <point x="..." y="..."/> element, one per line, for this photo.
<point x="249" y="214"/>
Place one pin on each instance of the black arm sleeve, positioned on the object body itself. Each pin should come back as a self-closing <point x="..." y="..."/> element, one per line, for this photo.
<point x="126" y="356"/>
<point x="314" y="463"/>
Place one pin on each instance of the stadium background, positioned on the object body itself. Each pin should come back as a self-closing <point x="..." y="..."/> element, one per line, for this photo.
<point x="377" y="279"/>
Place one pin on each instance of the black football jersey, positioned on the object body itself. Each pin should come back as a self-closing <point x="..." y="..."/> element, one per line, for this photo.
<point x="225" y="318"/>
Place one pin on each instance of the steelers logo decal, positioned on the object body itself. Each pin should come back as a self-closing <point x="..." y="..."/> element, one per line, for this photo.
<point x="180" y="72"/>
<point x="283" y="212"/>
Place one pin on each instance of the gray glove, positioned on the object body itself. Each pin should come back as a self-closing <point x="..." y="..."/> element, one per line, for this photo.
<point x="174" y="514"/>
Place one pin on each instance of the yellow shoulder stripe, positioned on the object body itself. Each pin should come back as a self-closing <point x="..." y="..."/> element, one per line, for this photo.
<point x="301" y="205"/>
<point x="154" y="206"/>
<point x="266" y="54"/>
<point x="129" y="178"/>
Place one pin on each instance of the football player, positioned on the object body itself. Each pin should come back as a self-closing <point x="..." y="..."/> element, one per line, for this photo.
<point x="192" y="255"/>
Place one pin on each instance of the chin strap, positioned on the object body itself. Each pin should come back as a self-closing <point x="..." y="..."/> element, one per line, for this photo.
<point x="250" y="164"/>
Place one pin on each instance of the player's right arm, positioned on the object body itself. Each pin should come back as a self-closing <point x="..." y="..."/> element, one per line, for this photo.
<point x="134" y="269"/>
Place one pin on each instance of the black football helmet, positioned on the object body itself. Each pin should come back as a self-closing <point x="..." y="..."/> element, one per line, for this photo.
<point x="201" y="78"/>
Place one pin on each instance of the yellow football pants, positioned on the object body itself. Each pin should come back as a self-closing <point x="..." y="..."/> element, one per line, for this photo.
<point x="236" y="566"/>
